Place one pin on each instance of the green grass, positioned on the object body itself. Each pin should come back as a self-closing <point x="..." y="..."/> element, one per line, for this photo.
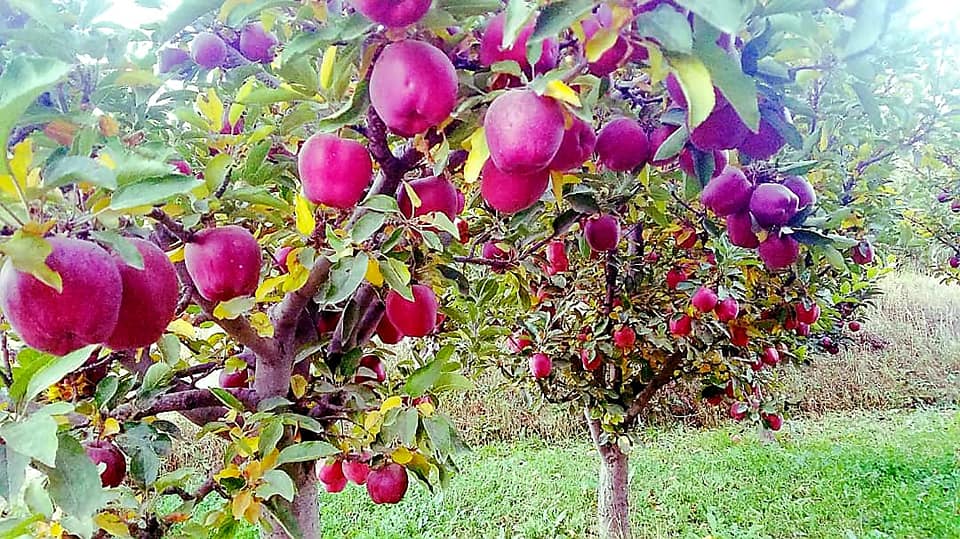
<point x="877" y="475"/>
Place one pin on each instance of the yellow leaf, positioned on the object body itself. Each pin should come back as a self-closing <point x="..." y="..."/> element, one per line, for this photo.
<point x="38" y="229"/>
<point x="211" y="108"/>
<point x="558" y="180"/>
<point x="319" y="10"/>
<point x="270" y="459"/>
<point x="230" y="472"/>
<point x="111" y="426"/>
<point x="298" y="384"/>
<point x="372" y="422"/>
<point x="106" y="161"/>
<point x="298" y="274"/>
<point x="426" y="408"/>
<point x="234" y="308"/>
<point x="479" y="153"/>
<point x="246" y="88"/>
<point x="373" y="275"/>
<point x="306" y="222"/>
<point x="253" y="472"/>
<point x="697" y="87"/>
<point x="561" y="92"/>
<point x="390" y="403"/>
<point x="20" y="163"/>
<point x="261" y="322"/>
<point x="268" y="286"/>
<point x="412" y="194"/>
<point x="602" y="41"/>
<point x="176" y="255"/>
<point x="240" y="504"/>
<point x="228" y="6"/>
<point x="252" y="514"/>
<point x="658" y="68"/>
<point x="326" y="67"/>
<point x="401" y="455"/>
<point x="182" y="328"/>
<point x="111" y="524"/>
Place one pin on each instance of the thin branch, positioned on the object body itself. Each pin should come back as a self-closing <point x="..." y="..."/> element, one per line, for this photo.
<point x="662" y="378"/>
<point x="190" y="399"/>
<point x="7" y="372"/>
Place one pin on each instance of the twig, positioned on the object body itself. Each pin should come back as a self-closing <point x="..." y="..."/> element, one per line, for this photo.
<point x="661" y="379"/>
<point x="7" y="372"/>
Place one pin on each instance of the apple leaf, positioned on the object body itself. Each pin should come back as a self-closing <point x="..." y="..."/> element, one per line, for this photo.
<point x="673" y="145"/>
<point x="518" y="13"/>
<point x="122" y="246"/>
<point x="668" y="27"/>
<point x="306" y="452"/>
<point x="397" y="276"/>
<point x="153" y="190"/>
<point x="28" y="253"/>
<point x="697" y="86"/>
<point x="36" y="436"/>
<point x="38" y="371"/>
<point x="345" y="276"/>
<point x="726" y="73"/>
<point x="74" y="484"/>
<point x="557" y="17"/>
<point x="74" y="169"/>
<point x="276" y="483"/>
<point x="726" y="15"/>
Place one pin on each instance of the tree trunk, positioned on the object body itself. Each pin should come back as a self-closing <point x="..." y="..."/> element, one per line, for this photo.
<point x="613" y="490"/>
<point x="302" y="515"/>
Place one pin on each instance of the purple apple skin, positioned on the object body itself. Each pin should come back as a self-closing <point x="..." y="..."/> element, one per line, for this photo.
<point x="149" y="300"/>
<point x="657" y="138"/>
<point x="392" y="13"/>
<point x="727" y="193"/>
<point x="208" y="50"/>
<point x="610" y="60"/>
<point x="602" y="233"/>
<point x="334" y="171"/>
<point x="511" y="193"/>
<point x="491" y="53"/>
<point x="169" y="59"/>
<point x="779" y="252"/>
<point x="773" y="204"/>
<point x="689" y="167"/>
<point x="722" y="130"/>
<point x="413" y="87"/>
<point x="233" y="379"/>
<point x="524" y="131"/>
<point x="256" y="44"/>
<point x="623" y="145"/>
<point x="104" y="452"/>
<point x="763" y="144"/>
<point x="578" y="144"/>
<point x="85" y="312"/>
<point x="740" y="230"/>
<point x="675" y="91"/>
<point x="801" y="187"/>
<point x="224" y="262"/>
<point x="436" y="193"/>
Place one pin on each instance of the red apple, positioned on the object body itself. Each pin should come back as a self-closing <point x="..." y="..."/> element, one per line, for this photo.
<point x="387" y="484"/>
<point x="524" y="131"/>
<point x="862" y="253"/>
<point x="540" y="365"/>
<point x="436" y="194"/>
<point x="492" y="51"/>
<point x="738" y="411"/>
<point x="681" y="327"/>
<point x="807" y="313"/>
<point x="372" y="363"/>
<point x="770" y="356"/>
<point x="233" y="379"/>
<point x="773" y="421"/>
<point x="392" y="13"/>
<point x="727" y="310"/>
<point x="511" y="192"/>
<point x="624" y="338"/>
<point x="623" y="145"/>
<point x="803" y="330"/>
<point x="388" y="333"/>
<point x="801" y="187"/>
<point x="854" y="326"/>
<point x="256" y="44"/>
<point x="704" y="299"/>
<point x="773" y="204"/>
<point x="223" y="262"/>
<point x="722" y="130"/>
<point x="331" y="475"/>
<point x="740" y="230"/>
<point x="576" y="147"/>
<point x="104" y="452"/>
<point x="779" y="251"/>
<point x="728" y="193"/>
<point x="356" y="471"/>
<point x="85" y="312"/>
<point x="602" y="232"/>
<point x="208" y="50"/>
<point x="149" y="300"/>
<point x="674" y="277"/>
<point x="557" y="257"/>
<point x="739" y="336"/>
<point x="415" y="318"/>
<point x="518" y="342"/>
<point x="591" y="359"/>
<point x="334" y="171"/>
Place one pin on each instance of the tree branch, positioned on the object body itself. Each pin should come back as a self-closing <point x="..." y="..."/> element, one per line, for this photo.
<point x="662" y="378"/>
<point x="190" y="399"/>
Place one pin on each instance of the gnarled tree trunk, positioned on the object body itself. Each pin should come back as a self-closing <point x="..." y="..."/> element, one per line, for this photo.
<point x="613" y="490"/>
<point x="304" y="511"/>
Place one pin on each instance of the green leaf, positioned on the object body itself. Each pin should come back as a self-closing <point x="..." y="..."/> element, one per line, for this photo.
<point x="423" y="378"/>
<point x="350" y="113"/>
<point x="697" y="86"/>
<point x="366" y="226"/>
<point x="726" y="15"/>
<point x="122" y="246"/>
<point x="406" y="425"/>
<point x="74" y="169"/>
<point x="22" y="81"/>
<point x="834" y="257"/>
<point x="36" y="436"/>
<point x="28" y="254"/>
<point x="871" y="23"/>
<point x="584" y="203"/>
<point x="453" y="381"/>
<point x="397" y="276"/>
<point x="306" y="452"/>
<point x="227" y="398"/>
<point x="152" y="190"/>
<point x="869" y="104"/>
<point x="216" y="171"/>
<point x="468" y="8"/>
<point x="180" y="18"/>
<point x="44" y="371"/>
<point x="13" y="472"/>
<point x="270" y="433"/>
<point x="177" y="478"/>
<point x="74" y="484"/>
<point x="345" y="276"/>
<point x="673" y="145"/>
<point x="726" y="73"/>
<point x="382" y="203"/>
<point x="557" y="17"/>
<point x="438" y="429"/>
<point x="276" y="483"/>
<point x="518" y="12"/>
<point x="668" y="27"/>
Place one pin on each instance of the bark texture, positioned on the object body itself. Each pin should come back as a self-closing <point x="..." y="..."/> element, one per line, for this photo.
<point x="613" y="489"/>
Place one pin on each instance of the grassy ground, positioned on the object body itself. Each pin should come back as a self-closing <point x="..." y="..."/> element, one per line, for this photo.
<point x="880" y="475"/>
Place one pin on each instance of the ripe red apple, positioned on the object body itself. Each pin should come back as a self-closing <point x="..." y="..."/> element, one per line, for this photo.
<point x="613" y="57"/>
<point x="738" y="411"/>
<point x="728" y="193"/>
<point x="463" y="229"/>
<point x="388" y="333"/>
<point x="392" y="13"/>
<point x="803" y="330"/>
<point x="491" y="50"/>
<point x="524" y="131"/>
<point x="223" y="262"/>
<point x="713" y="395"/>
<point x="740" y="230"/>
<point x="770" y="356"/>
<point x="682" y="326"/>
<point x="387" y="484"/>
<point x="518" y="342"/>
<point x="356" y="471"/>
<point x="169" y="59"/>
<point x="591" y="359"/>
<point x="540" y="365"/>
<point x="674" y="277"/>
<point x="854" y="326"/>
<point x="623" y="145"/>
<point x="256" y="44"/>
<point x="602" y="233"/>
<point x="576" y="147"/>
<point x="954" y="262"/>
<point x="806" y="196"/>
<point x="280" y="259"/>
<point x="511" y="192"/>
<point x="208" y="50"/>
<point x="686" y="237"/>
<point x="415" y="318"/>
<point x="413" y="87"/>
<point x="779" y="251"/>
<point x="739" y="336"/>
<point x="807" y="313"/>
<point x="768" y="141"/>
<point x="182" y="167"/>
<point x="862" y="253"/>
<point x="773" y="204"/>
<point x="773" y="421"/>
<point x="722" y="130"/>
<point x="331" y="475"/>
<point x="624" y="338"/>
<point x="704" y="299"/>
<point x="104" y="452"/>
<point x="85" y="312"/>
<point x="727" y="310"/>
<point x="688" y="166"/>
<point x="756" y="366"/>
<point x="374" y="364"/>
<point x="327" y="322"/>
<point x="149" y="299"/>
<point x="233" y="379"/>
<point x="436" y="194"/>
<point x="941" y="197"/>
<point x="557" y="257"/>
<point x="334" y="171"/>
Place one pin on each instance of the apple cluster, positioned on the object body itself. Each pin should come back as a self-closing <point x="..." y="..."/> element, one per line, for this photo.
<point x="385" y="484"/>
